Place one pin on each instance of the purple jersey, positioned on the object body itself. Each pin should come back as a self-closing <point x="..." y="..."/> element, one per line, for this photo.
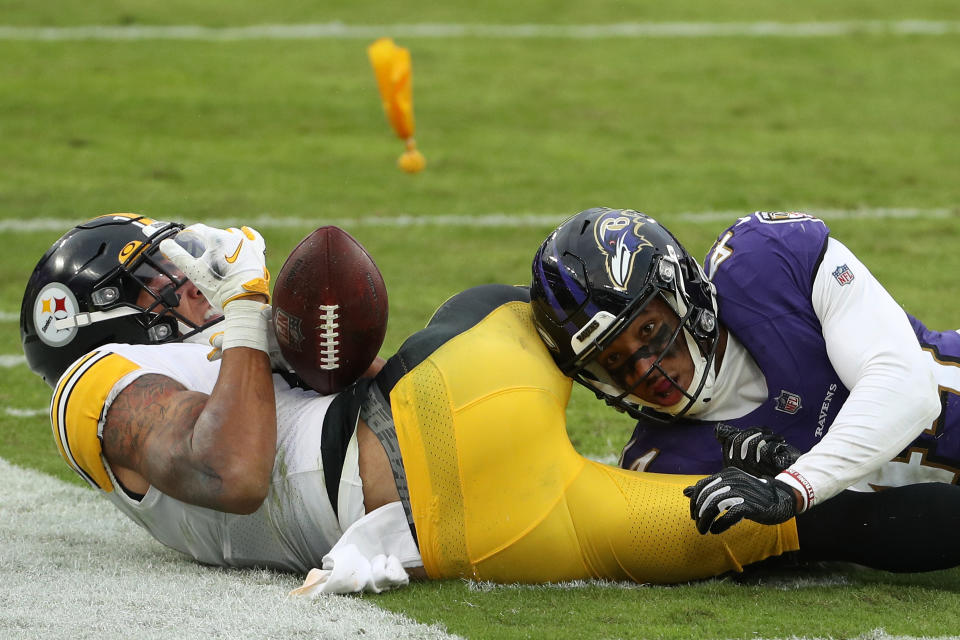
<point x="939" y="445"/>
<point x="764" y="299"/>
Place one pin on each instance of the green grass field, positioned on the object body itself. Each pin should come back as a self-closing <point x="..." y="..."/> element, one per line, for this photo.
<point x="292" y="130"/>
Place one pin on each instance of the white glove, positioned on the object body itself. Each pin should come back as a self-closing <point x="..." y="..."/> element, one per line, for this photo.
<point x="232" y="265"/>
<point x="229" y="268"/>
<point x="277" y="361"/>
<point x="346" y="570"/>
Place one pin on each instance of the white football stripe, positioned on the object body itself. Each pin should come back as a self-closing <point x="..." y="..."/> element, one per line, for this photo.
<point x="341" y="31"/>
<point x="492" y="220"/>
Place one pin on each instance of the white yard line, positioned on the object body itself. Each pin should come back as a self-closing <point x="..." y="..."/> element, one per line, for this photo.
<point x="12" y="360"/>
<point x="341" y="31"/>
<point x="24" y="413"/>
<point x="495" y="220"/>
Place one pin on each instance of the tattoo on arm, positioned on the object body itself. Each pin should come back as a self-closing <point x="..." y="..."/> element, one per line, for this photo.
<point x="149" y="429"/>
<point x="122" y="431"/>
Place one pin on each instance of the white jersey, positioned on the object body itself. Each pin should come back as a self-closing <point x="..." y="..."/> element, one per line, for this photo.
<point x="296" y="524"/>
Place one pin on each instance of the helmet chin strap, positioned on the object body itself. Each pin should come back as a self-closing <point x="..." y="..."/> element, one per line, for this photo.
<point x="701" y="372"/>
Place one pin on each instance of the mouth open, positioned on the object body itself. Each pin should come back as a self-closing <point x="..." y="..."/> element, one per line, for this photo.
<point x="663" y="387"/>
<point x="665" y="392"/>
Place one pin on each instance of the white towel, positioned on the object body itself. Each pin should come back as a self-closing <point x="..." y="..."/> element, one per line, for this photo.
<point x="370" y="556"/>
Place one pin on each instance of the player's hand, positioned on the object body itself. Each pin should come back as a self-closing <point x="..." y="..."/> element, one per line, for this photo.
<point x="277" y="361"/>
<point x="720" y="501"/>
<point x="756" y="450"/>
<point x="224" y="264"/>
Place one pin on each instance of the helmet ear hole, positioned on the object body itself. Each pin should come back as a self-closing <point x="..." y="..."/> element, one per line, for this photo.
<point x="105" y="296"/>
<point x="161" y="332"/>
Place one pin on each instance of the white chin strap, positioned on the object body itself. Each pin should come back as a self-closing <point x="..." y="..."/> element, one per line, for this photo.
<point x="700" y="372"/>
<point x="85" y="319"/>
<point x="700" y="369"/>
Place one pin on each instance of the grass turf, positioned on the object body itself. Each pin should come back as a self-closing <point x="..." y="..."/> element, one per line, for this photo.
<point x="293" y="129"/>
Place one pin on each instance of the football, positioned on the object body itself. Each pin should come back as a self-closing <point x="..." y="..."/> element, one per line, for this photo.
<point x="329" y="309"/>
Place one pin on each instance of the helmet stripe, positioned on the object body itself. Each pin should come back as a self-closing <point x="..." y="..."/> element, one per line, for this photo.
<point x="576" y="291"/>
<point x="133" y="217"/>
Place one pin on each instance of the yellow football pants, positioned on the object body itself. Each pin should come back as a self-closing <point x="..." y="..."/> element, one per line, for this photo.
<point x="498" y="492"/>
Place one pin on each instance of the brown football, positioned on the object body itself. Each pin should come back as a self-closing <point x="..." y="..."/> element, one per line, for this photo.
<point x="329" y="309"/>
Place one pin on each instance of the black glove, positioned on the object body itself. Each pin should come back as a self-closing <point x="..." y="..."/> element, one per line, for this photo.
<point x="720" y="501"/>
<point x="758" y="451"/>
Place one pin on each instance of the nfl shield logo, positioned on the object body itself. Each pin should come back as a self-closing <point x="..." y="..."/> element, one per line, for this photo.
<point x="788" y="402"/>
<point x="288" y="329"/>
<point x="843" y="274"/>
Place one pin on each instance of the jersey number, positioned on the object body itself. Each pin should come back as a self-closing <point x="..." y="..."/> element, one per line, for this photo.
<point x="920" y="462"/>
<point x="719" y="253"/>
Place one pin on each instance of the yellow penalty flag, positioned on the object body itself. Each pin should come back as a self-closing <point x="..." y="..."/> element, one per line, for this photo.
<point x="394" y="72"/>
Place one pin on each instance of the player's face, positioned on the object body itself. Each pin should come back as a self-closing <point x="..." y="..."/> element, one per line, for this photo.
<point x="648" y="359"/>
<point x="193" y="305"/>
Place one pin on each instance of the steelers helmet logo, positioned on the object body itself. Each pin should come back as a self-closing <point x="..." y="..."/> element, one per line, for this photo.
<point x="56" y="302"/>
<point x="129" y="251"/>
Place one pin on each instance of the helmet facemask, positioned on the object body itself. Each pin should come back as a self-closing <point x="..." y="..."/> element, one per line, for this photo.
<point x="161" y="280"/>
<point x="116" y="294"/>
<point x="689" y="327"/>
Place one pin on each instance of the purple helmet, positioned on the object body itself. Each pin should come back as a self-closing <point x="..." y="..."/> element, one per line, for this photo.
<point x="594" y="275"/>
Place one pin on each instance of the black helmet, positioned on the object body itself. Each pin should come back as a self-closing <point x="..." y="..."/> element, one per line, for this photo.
<point x="594" y="275"/>
<point x="83" y="293"/>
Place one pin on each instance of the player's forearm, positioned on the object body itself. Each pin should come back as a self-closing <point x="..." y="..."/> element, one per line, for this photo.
<point x="893" y="395"/>
<point x="224" y="457"/>
<point x="235" y="436"/>
<point x="883" y="414"/>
